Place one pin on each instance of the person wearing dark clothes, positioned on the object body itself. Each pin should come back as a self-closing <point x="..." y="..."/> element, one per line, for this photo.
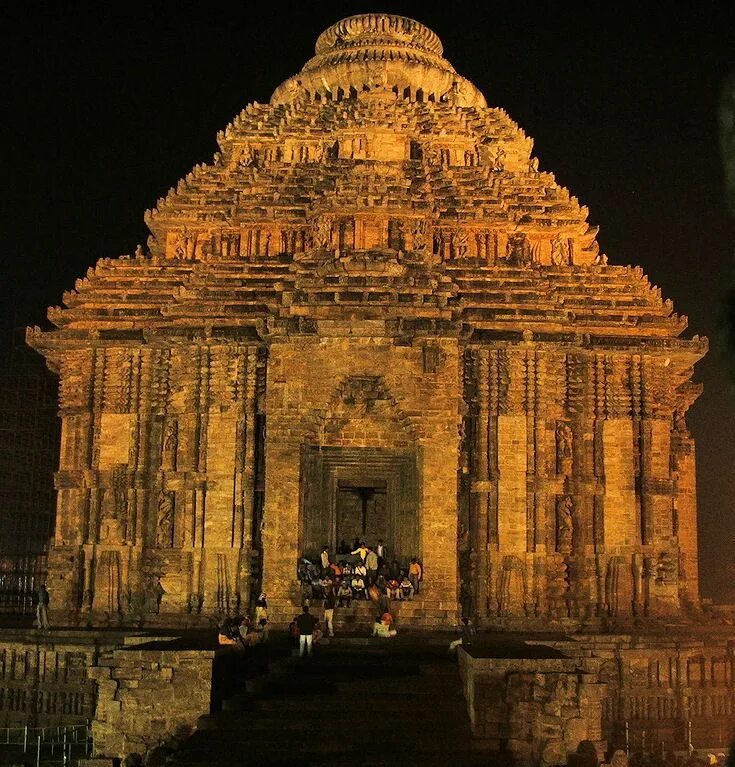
<point x="305" y="623"/>
<point x="261" y="608"/>
<point x="330" y="602"/>
<point x="293" y="637"/>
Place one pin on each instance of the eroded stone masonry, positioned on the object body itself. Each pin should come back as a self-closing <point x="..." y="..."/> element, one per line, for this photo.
<point x="375" y="294"/>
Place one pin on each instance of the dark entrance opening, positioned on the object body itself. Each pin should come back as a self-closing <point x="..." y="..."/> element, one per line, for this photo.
<point x="361" y="511"/>
<point x="365" y="493"/>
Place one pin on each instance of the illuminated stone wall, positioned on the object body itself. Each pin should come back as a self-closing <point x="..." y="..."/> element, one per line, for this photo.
<point x="378" y="264"/>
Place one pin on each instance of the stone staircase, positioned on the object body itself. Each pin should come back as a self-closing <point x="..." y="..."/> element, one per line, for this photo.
<point x="358" y="618"/>
<point x="369" y="702"/>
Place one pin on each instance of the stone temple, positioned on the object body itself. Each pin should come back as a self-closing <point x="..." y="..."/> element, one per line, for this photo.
<point x="373" y="314"/>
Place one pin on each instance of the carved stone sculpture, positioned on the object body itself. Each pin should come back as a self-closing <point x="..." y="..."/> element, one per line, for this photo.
<point x="564" y="524"/>
<point x="564" y="447"/>
<point x="518" y="251"/>
<point x="322" y="232"/>
<point x="165" y="520"/>
<point x="460" y="243"/>
<point x="499" y="159"/>
<point x="170" y="443"/>
<point x="559" y="251"/>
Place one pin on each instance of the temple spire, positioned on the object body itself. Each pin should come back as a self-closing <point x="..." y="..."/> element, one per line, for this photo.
<point x="379" y="52"/>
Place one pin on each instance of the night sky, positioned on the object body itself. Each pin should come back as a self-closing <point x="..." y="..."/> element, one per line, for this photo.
<point x="108" y="108"/>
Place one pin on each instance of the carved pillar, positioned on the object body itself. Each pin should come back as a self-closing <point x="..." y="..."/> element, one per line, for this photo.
<point x="621" y="512"/>
<point x="512" y="446"/>
<point x="480" y="523"/>
<point x="685" y="510"/>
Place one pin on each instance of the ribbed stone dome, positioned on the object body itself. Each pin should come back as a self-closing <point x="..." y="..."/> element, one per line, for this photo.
<point x="379" y="53"/>
<point x="378" y="29"/>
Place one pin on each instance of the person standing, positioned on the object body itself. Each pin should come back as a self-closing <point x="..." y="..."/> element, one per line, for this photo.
<point x="42" y="607"/>
<point x="159" y="592"/>
<point x="381" y="552"/>
<point x="415" y="573"/>
<point x="325" y="559"/>
<point x="362" y="552"/>
<point x="371" y="563"/>
<point x="261" y="608"/>
<point x="329" y="603"/>
<point x="306" y="624"/>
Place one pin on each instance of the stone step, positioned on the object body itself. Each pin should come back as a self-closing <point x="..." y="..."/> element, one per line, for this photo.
<point x="295" y="741"/>
<point x="385" y="702"/>
<point x="401" y="702"/>
<point x="456" y="757"/>
<point x="236" y="723"/>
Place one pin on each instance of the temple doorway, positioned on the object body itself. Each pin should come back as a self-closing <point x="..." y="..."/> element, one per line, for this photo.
<point x="364" y="493"/>
<point x="361" y="511"/>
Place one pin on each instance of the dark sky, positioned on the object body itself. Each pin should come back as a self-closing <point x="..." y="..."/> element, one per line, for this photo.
<point x="105" y="108"/>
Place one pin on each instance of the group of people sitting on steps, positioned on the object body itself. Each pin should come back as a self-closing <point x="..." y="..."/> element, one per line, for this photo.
<point x="240" y="631"/>
<point x="362" y="572"/>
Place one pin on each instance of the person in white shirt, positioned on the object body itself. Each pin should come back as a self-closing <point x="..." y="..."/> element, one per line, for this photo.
<point x="325" y="558"/>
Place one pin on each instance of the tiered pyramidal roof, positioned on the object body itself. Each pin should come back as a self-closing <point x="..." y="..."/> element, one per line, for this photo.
<point x="376" y="184"/>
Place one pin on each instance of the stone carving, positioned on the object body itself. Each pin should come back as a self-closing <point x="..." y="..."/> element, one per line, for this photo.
<point x="564" y="524"/>
<point x="518" y="250"/>
<point x="665" y="568"/>
<point x="460" y="243"/>
<point x="321" y="229"/>
<point x="246" y="156"/>
<point x="184" y="247"/>
<point x="558" y="588"/>
<point x="418" y="234"/>
<point x="564" y="448"/>
<point x="396" y="234"/>
<point x="471" y="158"/>
<point x="165" y="519"/>
<point x="114" y="506"/>
<point x="452" y="96"/>
<point x="295" y="91"/>
<point x="512" y="587"/>
<point x="533" y="165"/>
<point x="559" y="251"/>
<point x="432" y="155"/>
<point x="170" y="443"/>
<point x="194" y="604"/>
<point x="499" y="160"/>
<point x="119" y="491"/>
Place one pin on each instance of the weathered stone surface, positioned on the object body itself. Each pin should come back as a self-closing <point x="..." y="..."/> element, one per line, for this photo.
<point x="656" y="684"/>
<point x="373" y="286"/>
<point x="150" y="696"/>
